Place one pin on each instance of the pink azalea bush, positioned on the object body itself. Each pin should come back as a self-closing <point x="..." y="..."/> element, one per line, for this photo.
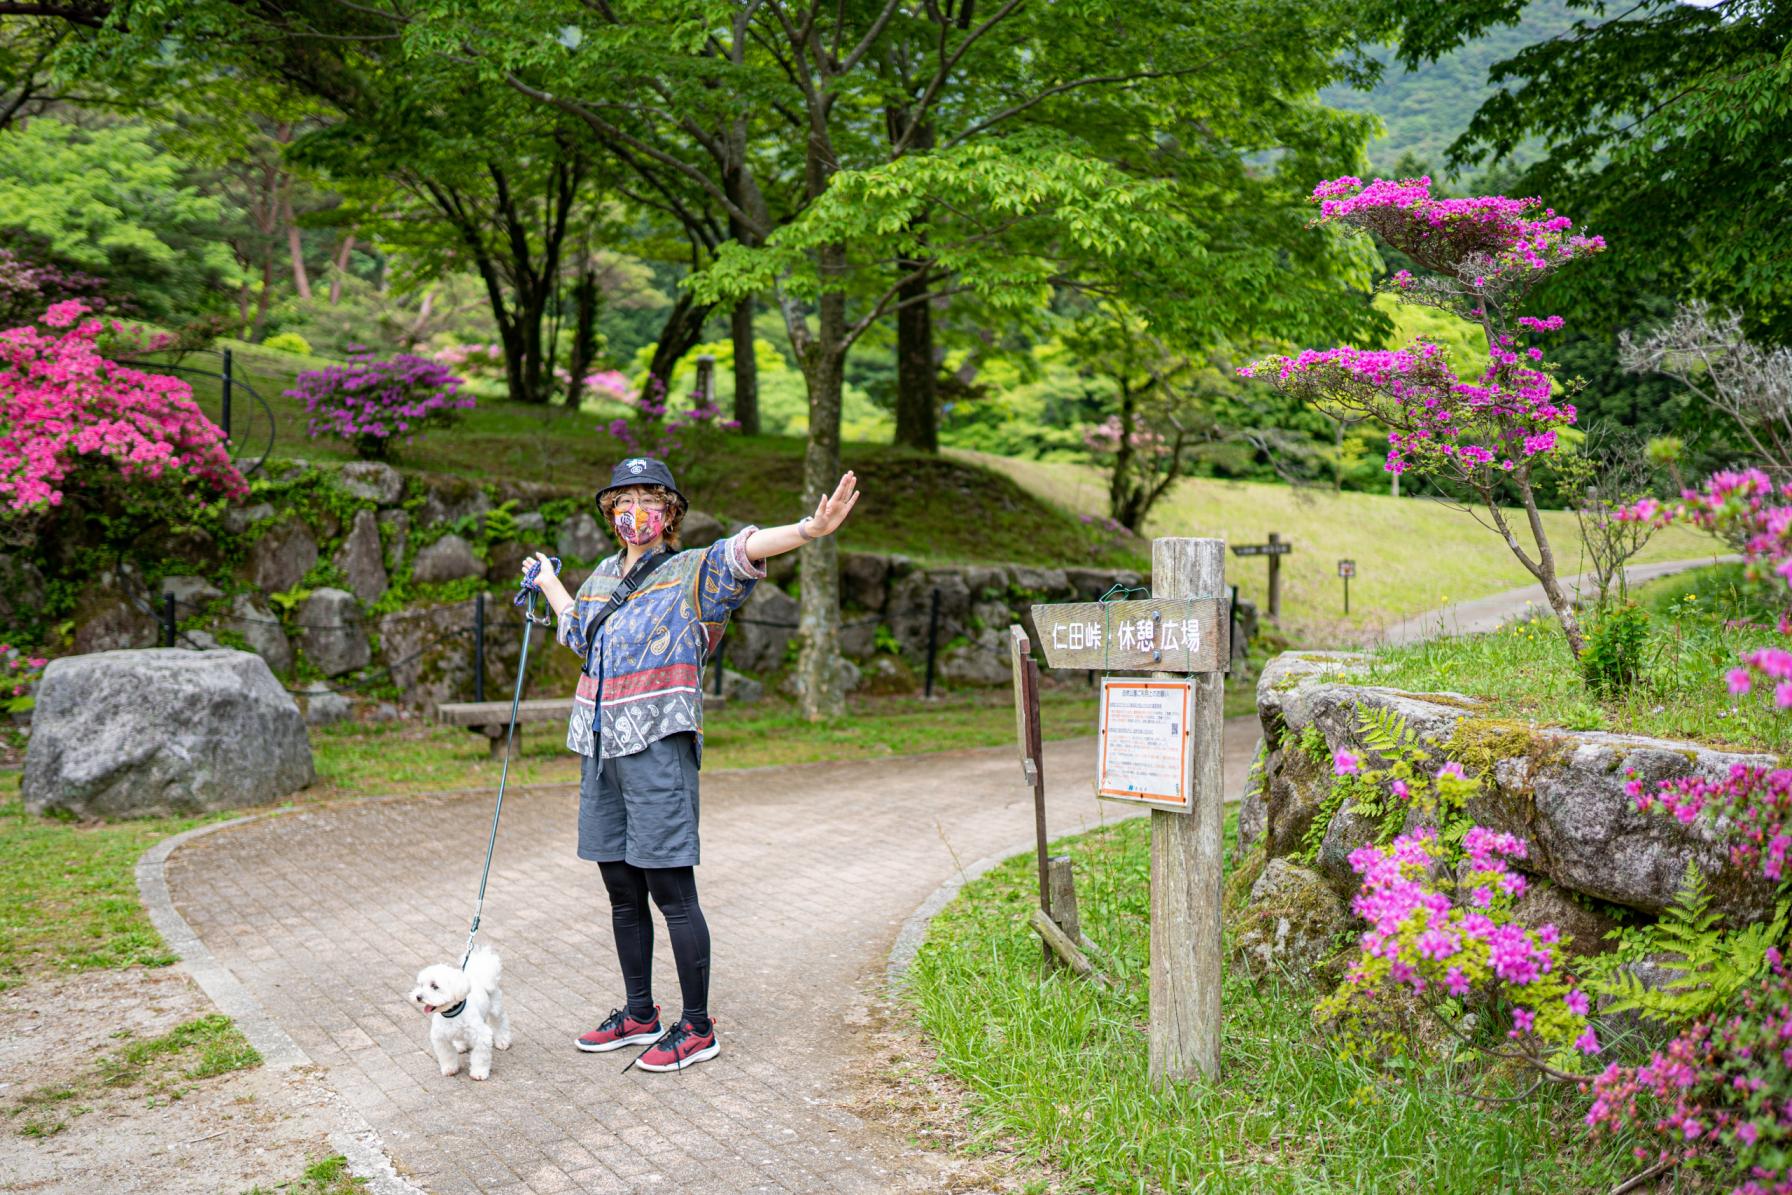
<point x="1485" y="431"/>
<point x="1755" y="803"/>
<point x="1441" y="924"/>
<point x="72" y="420"/>
<point x="653" y="434"/>
<point x="19" y="672"/>
<point x="1722" y="1088"/>
<point x="375" y="405"/>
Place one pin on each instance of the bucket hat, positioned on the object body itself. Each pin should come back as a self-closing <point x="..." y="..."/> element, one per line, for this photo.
<point x="643" y="470"/>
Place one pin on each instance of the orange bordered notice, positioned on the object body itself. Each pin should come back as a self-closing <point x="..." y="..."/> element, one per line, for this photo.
<point x="1146" y="751"/>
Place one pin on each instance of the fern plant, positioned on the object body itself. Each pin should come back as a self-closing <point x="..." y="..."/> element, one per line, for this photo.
<point x="1707" y="965"/>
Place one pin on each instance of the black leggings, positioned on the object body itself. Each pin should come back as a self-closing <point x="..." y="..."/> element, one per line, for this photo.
<point x="674" y="890"/>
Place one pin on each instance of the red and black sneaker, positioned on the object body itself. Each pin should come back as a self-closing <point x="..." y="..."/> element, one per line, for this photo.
<point x="618" y="1030"/>
<point x="680" y="1047"/>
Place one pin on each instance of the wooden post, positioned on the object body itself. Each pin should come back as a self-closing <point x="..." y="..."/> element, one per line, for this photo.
<point x="1186" y="850"/>
<point x="1275" y="578"/>
<point x="1026" y="709"/>
<point x="1061" y="883"/>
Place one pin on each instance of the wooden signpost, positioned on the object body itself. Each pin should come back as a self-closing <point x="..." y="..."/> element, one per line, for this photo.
<point x="1275" y="549"/>
<point x="1346" y="570"/>
<point x="1160" y="731"/>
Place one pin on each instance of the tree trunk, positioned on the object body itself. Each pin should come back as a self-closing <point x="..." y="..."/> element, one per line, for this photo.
<point x="586" y="298"/>
<point x="1546" y="568"/>
<point x="1120" y="483"/>
<point x="818" y="621"/>
<point x="301" y="281"/>
<point x="682" y="332"/>
<point x="340" y="267"/>
<point x="917" y="402"/>
<point x="746" y="368"/>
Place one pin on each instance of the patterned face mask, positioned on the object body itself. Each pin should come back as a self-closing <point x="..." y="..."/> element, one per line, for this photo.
<point x="639" y="526"/>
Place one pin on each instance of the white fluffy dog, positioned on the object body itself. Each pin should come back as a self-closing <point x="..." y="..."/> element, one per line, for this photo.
<point x="465" y="1011"/>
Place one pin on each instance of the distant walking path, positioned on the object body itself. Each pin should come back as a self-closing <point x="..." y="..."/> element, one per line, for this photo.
<point x="1490" y="613"/>
<point x="319" y="918"/>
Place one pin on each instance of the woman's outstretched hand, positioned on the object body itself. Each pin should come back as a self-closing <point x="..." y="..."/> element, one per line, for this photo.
<point x="836" y="506"/>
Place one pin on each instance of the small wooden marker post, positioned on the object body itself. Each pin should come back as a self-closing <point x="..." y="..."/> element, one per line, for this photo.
<point x="1189" y="633"/>
<point x="1275" y="549"/>
<point x="1032" y="765"/>
<point x="1346" y="570"/>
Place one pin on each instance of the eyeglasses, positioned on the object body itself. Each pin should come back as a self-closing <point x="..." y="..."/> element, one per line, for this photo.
<point x="640" y="501"/>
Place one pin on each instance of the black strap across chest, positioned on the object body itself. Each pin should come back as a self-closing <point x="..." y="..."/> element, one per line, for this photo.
<point x="624" y="588"/>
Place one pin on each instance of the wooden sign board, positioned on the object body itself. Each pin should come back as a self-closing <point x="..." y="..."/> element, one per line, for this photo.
<point x="1262" y="549"/>
<point x="1161" y="635"/>
<point x="1347" y="569"/>
<point x="1146" y="753"/>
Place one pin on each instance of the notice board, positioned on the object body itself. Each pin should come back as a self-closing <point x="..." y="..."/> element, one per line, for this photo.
<point x="1145" y="752"/>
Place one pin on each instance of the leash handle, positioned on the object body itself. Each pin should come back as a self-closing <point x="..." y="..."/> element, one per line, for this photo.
<point x="530" y="586"/>
<point x="526" y="599"/>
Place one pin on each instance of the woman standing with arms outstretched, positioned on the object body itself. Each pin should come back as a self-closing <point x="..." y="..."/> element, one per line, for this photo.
<point x="645" y="621"/>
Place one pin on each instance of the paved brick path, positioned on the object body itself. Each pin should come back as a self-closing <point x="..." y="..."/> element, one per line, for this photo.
<point x="808" y="873"/>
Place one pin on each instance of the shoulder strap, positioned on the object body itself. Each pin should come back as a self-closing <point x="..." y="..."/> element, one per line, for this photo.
<point x="643" y="569"/>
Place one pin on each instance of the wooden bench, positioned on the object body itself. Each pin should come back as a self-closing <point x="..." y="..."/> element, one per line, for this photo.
<point x="492" y="718"/>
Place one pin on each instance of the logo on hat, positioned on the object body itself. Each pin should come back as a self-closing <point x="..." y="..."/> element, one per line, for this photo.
<point x="637" y="466"/>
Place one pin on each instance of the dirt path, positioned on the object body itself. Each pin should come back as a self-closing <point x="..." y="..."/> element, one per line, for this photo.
<point x="809" y="873"/>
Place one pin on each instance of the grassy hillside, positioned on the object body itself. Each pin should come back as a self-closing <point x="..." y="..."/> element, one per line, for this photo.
<point x="927" y="508"/>
<point x="1412" y="554"/>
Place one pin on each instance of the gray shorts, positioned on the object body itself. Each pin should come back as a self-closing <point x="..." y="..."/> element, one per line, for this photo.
<point x="641" y="808"/>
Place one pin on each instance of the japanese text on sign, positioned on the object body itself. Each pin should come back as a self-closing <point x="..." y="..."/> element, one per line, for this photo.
<point x="1146" y="746"/>
<point x="1188" y="635"/>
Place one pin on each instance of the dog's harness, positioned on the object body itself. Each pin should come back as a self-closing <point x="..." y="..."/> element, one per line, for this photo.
<point x="525" y="597"/>
<point x="450" y="1014"/>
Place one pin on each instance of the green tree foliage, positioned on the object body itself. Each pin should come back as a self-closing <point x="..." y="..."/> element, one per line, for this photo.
<point x="110" y="200"/>
<point x="1665" y="126"/>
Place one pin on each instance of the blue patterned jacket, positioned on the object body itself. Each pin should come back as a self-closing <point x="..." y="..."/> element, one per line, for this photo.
<point x="646" y="676"/>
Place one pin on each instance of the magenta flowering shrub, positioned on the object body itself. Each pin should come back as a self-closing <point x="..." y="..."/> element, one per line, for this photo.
<point x="26" y="290"/>
<point x="1722" y="1089"/>
<point x="1756" y="803"/>
<point x="1438" y="936"/>
<point x="375" y="404"/>
<point x="74" y="422"/>
<point x="1483" y="256"/>
<point x="19" y="672"/>
<point x="686" y="434"/>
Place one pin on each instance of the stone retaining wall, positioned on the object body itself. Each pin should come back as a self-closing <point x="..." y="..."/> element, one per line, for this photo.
<point x="1594" y="858"/>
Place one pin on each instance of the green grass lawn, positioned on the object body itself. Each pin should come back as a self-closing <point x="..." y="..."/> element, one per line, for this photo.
<point x="1055" y="1068"/>
<point x="1700" y="622"/>
<point x="1412" y="554"/>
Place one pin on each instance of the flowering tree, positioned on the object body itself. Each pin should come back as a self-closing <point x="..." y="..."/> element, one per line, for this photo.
<point x="1482" y="256"/>
<point x="27" y="289"/>
<point x="376" y="404"/>
<point x="74" y="422"/>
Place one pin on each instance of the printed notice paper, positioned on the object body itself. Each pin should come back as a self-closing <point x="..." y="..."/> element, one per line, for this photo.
<point x="1146" y="747"/>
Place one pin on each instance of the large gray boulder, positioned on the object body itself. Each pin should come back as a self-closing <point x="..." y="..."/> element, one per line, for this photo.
<point x="361" y="558"/>
<point x="154" y="733"/>
<point x="281" y="558"/>
<point x="450" y="558"/>
<point x="332" y="632"/>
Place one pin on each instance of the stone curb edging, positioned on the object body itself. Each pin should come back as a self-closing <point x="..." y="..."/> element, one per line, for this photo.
<point x="915" y="926"/>
<point x="355" y="1139"/>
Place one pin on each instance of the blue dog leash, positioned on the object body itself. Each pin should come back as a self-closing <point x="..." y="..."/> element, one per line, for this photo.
<point x="525" y="597"/>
